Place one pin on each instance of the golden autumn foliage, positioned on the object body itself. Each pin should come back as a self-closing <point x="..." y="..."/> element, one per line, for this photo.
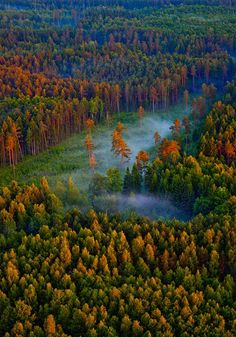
<point x="169" y="149"/>
<point x="50" y="325"/>
<point x="119" y="146"/>
<point x="65" y="67"/>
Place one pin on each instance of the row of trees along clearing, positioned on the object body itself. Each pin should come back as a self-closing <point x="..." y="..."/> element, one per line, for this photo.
<point x="42" y="122"/>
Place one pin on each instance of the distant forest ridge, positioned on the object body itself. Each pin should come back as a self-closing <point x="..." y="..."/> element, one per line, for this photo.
<point x="65" y="4"/>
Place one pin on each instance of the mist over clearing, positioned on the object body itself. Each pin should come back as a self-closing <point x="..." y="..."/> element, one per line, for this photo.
<point x="139" y="136"/>
<point x="70" y="158"/>
<point x="154" y="207"/>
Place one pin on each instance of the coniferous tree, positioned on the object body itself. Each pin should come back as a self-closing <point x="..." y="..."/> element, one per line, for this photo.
<point x="127" y="186"/>
<point x="136" y="179"/>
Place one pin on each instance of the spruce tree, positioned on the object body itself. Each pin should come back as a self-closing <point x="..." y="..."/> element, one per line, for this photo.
<point x="127" y="181"/>
<point x="136" y="179"/>
<point x="148" y="177"/>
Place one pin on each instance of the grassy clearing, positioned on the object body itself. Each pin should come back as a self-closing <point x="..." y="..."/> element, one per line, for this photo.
<point x="70" y="157"/>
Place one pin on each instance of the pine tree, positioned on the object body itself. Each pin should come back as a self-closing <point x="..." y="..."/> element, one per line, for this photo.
<point x="148" y="177"/>
<point x="127" y="186"/>
<point x="136" y="179"/>
<point x="154" y="183"/>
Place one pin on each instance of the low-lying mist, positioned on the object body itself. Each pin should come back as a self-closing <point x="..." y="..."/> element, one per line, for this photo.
<point x="72" y="160"/>
<point x="151" y="206"/>
<point x="138" y="137"/>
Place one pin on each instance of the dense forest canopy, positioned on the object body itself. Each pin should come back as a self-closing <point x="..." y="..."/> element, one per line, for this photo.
<point x="68" y="66"/>
<point x="79" y="262"/>
<point x="131" y="4"/>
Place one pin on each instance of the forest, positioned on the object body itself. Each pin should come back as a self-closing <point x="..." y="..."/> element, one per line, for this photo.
<point x="117" y="168"/>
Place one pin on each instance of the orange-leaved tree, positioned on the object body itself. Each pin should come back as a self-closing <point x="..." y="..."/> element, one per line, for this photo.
<point x="92" y="162"/>
<point x="119" y="146"/>
<point x="169" y="149"/>
<point x="175" y="128"/>
<point x="142" y="160"/>
<point x="89" y="124"/>
<point x="89" y="144"/>
<point x="157" y="137"/>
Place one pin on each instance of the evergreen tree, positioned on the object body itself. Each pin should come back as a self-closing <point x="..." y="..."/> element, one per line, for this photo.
<point x="136" y="179"/>
<point x="127" y="186"/>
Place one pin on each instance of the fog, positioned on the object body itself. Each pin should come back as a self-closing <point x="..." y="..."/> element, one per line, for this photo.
<point x="151" y="206"/>
<point x="138" y="137"/>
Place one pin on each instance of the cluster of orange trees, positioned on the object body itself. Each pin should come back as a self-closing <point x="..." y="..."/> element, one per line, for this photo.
<point x="58" y="72"/>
